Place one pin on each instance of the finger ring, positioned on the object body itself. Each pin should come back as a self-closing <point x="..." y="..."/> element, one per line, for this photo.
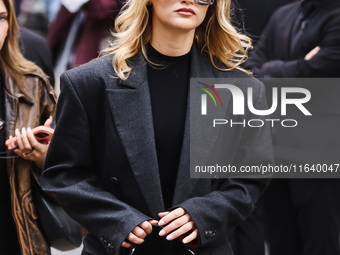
<point x="28" y="153"/>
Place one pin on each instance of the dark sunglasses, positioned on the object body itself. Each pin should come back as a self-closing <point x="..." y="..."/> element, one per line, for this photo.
<point x="205" y="2"/>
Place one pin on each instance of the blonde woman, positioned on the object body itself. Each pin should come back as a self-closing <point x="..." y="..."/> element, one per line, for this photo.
<point x="119" y="159"/>
<point x="26" y="100"/>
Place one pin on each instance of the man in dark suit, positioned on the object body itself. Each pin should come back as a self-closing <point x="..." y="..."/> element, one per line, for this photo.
<point x="302" y="40"/>
<point x="276" y="56"/>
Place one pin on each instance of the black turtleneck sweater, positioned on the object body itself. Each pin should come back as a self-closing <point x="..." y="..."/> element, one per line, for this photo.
<point x="169" y="86"/>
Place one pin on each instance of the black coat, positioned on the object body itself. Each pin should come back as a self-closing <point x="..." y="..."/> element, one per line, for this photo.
<point x="102" y="164"/>
<point x="36" y="49"/>
<point x="273" y="49"/>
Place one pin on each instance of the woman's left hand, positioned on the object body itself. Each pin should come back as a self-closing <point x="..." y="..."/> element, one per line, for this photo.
<point x="29" y="147"/>
<point x="178" y="223"/>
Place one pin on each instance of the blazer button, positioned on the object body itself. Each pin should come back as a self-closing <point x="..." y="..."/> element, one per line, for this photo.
<point x="114" y="180"/>
<point x="111" y="249"/>
<point x="210" y="234"/>
<point x="214" y="179"/>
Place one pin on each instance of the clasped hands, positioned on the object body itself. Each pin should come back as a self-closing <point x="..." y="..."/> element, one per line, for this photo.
<point x="177" y="223"/>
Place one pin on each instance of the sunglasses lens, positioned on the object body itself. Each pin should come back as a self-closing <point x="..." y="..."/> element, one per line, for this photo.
<point x="205" y="2"/>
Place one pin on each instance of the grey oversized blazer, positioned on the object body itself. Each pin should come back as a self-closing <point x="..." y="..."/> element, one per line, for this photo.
<point x="102" y="164"/>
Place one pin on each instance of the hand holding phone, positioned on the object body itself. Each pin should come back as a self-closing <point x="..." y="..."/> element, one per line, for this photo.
<point x="43" y="135"/>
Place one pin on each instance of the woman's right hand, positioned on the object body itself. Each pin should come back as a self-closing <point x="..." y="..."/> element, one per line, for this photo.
<point x="137" y="235"/>
<point x="29" y="147"/>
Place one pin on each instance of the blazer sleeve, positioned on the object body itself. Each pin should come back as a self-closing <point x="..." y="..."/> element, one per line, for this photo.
<point x="217" y="214"/>
<point x="69" y="176"/>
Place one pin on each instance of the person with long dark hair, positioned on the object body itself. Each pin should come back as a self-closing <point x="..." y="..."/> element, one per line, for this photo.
<point x="26" y="100"/>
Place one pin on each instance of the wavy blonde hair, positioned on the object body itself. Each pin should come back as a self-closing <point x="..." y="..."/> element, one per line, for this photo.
<point x="12" y="62"/>
<point x="216" y="36"/>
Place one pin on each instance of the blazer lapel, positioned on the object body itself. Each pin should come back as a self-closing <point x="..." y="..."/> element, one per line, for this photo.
<point x="201" y="67"/>
<point x="131" y="110"/>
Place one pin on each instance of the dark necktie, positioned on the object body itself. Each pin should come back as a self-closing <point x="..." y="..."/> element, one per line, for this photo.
<point x="306" y="9"/>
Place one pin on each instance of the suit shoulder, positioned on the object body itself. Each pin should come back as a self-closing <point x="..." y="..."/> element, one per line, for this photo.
<point x="242" y="80"/>
<point x="40" y="78"/>
<point x="95" y="69"/>
<point x="285" y="9"/>
<point x="90" y="79"/>
<point x="236" y="74"/>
